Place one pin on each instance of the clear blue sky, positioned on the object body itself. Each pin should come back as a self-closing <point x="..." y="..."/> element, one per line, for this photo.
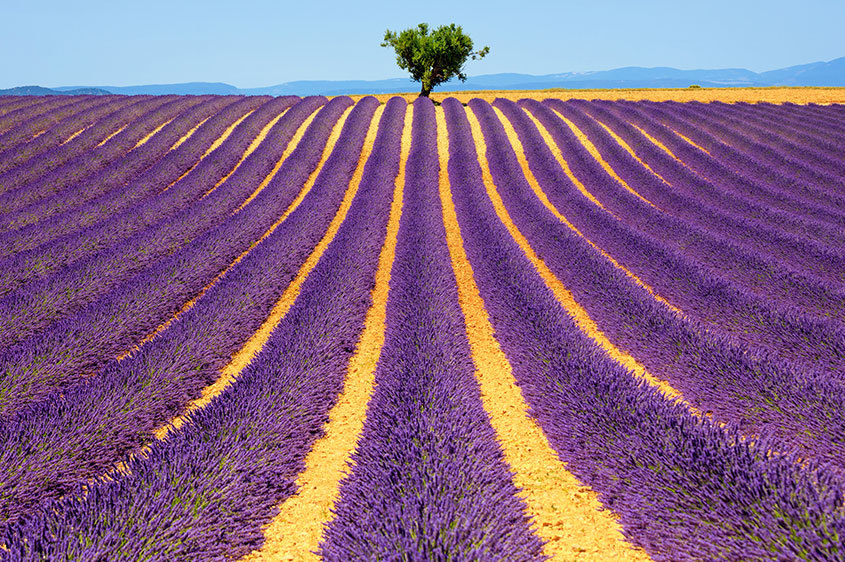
<point x="264" y="42"/>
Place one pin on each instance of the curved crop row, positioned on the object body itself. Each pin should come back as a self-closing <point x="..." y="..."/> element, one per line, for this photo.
<point x="684" y="489"/>
<point x="118" y="175"/>
<point x="31" y="124"/>
<point x="758" y="394"/>
<point x="823" y="120"/>
<point x="214" y="483"/>
<point x="35" y="305"/>
<point x="88" y="139"/>
<point x="426" y="441"/>
<point x="717" y="182"/>
<point x="62" y="131"/>
<point x="812" y="258"/>
<point x="774" y="172"/>
<point x="743" y="169"/>
<point x="176" y="181"/>
<point x="809" y="161"/>
<point x="299" y="328"/>
<point x="759" y="274"/>
<point x="110" y="152"/>
<point x="724" y="307"/>
<point x="10" y="104"/>
<point x="135" y="396"/>
<point x="49" y="360"/>
<point x="776" y="128"/>
<point x="28" y="107"/>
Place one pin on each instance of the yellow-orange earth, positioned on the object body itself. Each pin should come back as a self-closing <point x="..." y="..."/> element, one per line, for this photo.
<point x="728" y="95"/>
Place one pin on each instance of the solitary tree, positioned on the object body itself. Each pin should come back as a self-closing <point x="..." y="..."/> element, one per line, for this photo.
<point x="433" y="58"/>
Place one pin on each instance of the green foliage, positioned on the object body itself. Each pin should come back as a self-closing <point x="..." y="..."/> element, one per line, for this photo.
<point x="435" y="57"/>
<point x="693" y="86"/>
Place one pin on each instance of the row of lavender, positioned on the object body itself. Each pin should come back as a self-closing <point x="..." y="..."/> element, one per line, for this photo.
<point x="769" y="270"/>
<point x="646" y="456"/>
<point x="783" y="172"/>
<point x="146" y="279"/>
<point x="663" y="470"/>
<point x="636" y="235"/>
<point x="766" y="235"/>
<point x="791" y="286"/>
<point x="112" y="217"/>
<point x="31" y="183"/>
<point x="444" y="491"/>
<point x="624" y="440"/>
<point x="43" y="159"/>
<point x="75" y="305"/>
<point x="721" y="362"/>
<point x="23" y="124"/>
<point x="286" y="392"/>
<point x="131" y="398"/>
<point x="783" y="167"/>
<point x="61" y="131"/>
<point x="218" y="492"/>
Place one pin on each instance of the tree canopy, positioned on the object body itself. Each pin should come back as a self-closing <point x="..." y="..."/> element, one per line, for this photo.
<point x="435" y="57"/>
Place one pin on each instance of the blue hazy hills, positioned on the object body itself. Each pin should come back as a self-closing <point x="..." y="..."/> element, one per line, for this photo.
<point x="829" y="74"/>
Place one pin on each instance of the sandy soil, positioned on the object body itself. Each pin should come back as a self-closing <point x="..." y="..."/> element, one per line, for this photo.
<point x="516" y="144"/>
<point x="249" y="149"/>
<point x="152" y="134"/>
<point x="594" y="152"/>
<point x="184" y="137"/>
<point x="188" y="305"/>
<point x="253" y="345"/>
<point x="208" y="151"/>
<point x="295" y="533"/>
<point x="728" y="95"/>
<point x="109" y="137"/>
<point x="251" y="348"/>
<point x="567" y="514"/>
<point x="562" y="294"/>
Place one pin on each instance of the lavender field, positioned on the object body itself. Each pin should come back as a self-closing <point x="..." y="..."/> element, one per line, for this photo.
<point x="267" y="328"/>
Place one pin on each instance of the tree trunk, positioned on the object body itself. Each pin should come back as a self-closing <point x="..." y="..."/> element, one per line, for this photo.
<point x="424" y="91"/>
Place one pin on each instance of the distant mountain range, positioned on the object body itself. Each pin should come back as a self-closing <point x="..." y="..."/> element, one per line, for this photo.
<point x="830" y="74"/>
<point x="39" y="91"/>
